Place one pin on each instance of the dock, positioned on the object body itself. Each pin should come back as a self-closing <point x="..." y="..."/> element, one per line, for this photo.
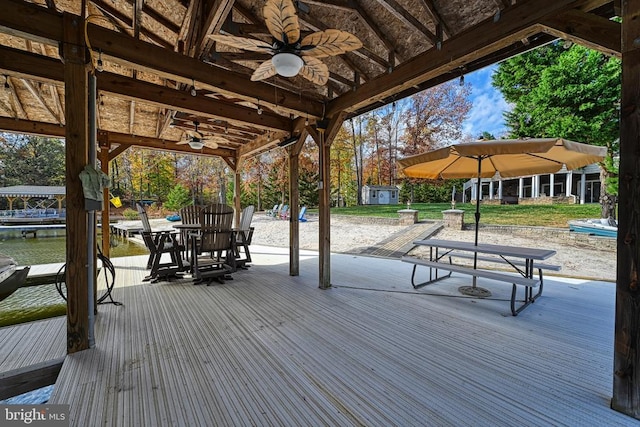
<point x="270" y="349"/>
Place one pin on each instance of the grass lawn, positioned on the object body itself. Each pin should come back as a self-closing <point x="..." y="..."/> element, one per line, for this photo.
<point x="534" y="215"/>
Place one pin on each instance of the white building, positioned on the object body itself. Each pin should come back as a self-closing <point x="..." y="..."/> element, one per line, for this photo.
<point x="582" y="185"/>
<point x="380" y="195"/>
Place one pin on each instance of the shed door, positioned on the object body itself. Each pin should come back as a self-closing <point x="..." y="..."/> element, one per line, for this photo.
<point x="383" y="197"/>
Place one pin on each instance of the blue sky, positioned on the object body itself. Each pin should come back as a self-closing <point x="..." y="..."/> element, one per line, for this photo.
<point x="488" y="105"/>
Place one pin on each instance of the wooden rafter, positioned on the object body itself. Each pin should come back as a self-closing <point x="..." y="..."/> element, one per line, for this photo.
<point x="55" y="97"/>
<point x="45" y="25"/>
<point x="407" y="18"/>
<point x="586" y="29"/>
<point x="36" y="93"/>
<point x="137" y="17"/>
<point x="431" y="10"/>
<point x="17" y="104"/>
<point x="346" y="5"/>
<point x="369" y="22"/>
<point x="216" y="15"/>
<point x="125" y="23"/>
<point x="516" y="22"/>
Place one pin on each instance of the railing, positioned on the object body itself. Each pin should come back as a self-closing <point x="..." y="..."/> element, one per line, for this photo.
<point x="33" y="213"/>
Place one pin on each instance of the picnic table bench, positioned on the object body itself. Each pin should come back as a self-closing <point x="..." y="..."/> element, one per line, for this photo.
<point x="523" y="260"/>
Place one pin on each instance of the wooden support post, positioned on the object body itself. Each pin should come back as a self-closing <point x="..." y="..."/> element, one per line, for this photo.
<point x="325" y="138"/>
<point x="106" y="203"/>
<point x="294" y="199"/>
<point x="294" y="210"/>
<point x="324" y="214"/>
<point x="626" y="375"/>
<point x="237" y="206"/>
<point x="76" y="89"/>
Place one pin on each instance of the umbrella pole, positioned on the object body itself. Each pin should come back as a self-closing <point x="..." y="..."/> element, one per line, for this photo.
<point x="474" y="290"/>
<point x="478" y="197"/>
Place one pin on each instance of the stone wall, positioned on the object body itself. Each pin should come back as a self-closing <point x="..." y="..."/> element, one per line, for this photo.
<point x="558" y="234"/>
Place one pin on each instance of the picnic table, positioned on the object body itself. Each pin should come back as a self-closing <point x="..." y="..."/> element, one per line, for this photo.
<point x="523" y="260"/>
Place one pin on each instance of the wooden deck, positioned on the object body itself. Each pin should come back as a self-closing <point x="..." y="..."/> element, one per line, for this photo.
<point x="270" y="349"/>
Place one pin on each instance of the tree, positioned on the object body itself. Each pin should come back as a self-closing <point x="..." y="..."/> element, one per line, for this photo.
<point x="31" y="160"/>
<point x="570" y="93"/>
<point x="434" y="117"/>
<point x="178" y="198"/>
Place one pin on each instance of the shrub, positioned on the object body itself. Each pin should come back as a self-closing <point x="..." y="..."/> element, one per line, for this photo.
<point x="130" y="214"/>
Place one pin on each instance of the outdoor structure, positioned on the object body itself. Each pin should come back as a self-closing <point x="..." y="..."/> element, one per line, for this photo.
<point x="33" y="204"/>
<point x="119" y="73"/>
<point x="33" y="197"/>
<point x="380" y="195"/>
<point x="579" y="186"/>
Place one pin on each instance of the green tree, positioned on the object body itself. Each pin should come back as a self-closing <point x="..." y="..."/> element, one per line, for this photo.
<point x="31" y="160"/>
<point x="570" y="93"/>
<point x="178" y="198"/>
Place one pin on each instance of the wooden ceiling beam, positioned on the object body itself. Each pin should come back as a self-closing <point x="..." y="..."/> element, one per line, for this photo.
<point x="217" y="13"/>
<point x="587" y="29"/>
<point x="159" y="144"/>
<point x="52" y="130"/>
<point x="17" y="103"/>
<point x="490" y="35"/>
<point x="41" y="24"/>
<point x="37" y="94"/>
<point x="407" y="18"/>
<point x="261" y="144"/>
<point x="29" y="65"/>
<point x="182" y="68"/>
<point x="375" y="29"/>
<point x="163" y="96"/>
<point x="122" y="21"/>
<point x="346" y="5"/>
<point x="431" y="10"/>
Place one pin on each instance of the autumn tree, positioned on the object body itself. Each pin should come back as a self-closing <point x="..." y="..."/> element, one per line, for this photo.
<point x="432" y="119"/>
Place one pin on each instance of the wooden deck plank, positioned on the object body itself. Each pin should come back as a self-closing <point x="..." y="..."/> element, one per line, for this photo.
<point x="271" y="349"/>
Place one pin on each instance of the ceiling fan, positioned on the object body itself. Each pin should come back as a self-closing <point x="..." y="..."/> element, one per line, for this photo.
<point x="291" y="54"/>
<point x="197" y="141"/>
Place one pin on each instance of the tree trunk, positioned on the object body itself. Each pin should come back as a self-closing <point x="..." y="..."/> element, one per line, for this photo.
<point x="607" y="201"/>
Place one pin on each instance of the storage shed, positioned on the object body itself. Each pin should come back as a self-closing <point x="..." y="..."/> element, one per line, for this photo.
<point x="380" y="195"/>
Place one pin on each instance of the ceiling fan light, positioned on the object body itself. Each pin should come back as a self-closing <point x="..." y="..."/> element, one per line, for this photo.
<point x="196" y="145"/>
<point x="287" y="64"/>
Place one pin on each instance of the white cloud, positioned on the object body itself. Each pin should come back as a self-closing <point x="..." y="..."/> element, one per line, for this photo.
<point x="488" y="106"/>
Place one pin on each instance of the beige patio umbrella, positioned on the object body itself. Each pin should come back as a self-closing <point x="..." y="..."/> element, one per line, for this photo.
<point x="508" y="157"/>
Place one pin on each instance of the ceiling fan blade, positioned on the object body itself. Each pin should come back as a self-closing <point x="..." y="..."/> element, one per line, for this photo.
<point x="282" y="20"/>
<point x="253" y="45"/>
<point x="315" y="70"/>
<point x="264" y="71"/>
<point x="329" y="43"/>
<point x="194" y="134"/>
<point x="210" y="144"/>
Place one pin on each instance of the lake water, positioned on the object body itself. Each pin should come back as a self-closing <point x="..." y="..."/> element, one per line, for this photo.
<point x="38" y="302"/>
<point x="43" y="301"/>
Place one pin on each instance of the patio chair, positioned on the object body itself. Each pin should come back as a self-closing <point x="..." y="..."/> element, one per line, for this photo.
<point x="284" y="213"/>
<point x="243" y="234"/>
<point x="271" y="212"/>
<point x="159" y="243"/>
<point x="189" y="215"/>
<point x="215" y="238"/>
<point x="301" y="217"/>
